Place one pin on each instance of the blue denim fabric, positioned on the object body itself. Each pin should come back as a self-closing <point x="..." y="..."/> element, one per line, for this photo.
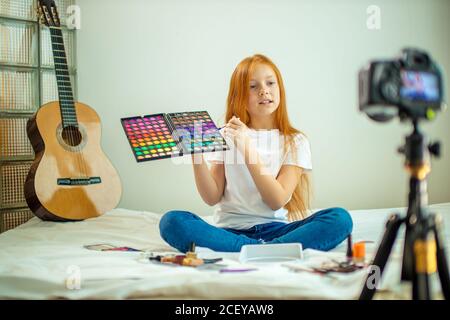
<point x="323" y="230"/>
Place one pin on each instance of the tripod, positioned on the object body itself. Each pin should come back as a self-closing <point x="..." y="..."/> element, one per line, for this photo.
<point x="423" y="250"/>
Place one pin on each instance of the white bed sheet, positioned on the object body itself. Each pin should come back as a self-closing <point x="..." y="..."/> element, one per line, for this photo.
<point x="41" y="260"/>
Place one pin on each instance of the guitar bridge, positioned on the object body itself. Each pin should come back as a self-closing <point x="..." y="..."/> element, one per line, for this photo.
<point x="78" y="181"/>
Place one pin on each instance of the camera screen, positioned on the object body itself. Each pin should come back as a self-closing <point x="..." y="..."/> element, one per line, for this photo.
<point x="419" y="86"/>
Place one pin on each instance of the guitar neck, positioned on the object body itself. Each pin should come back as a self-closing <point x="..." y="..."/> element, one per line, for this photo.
<point x="65" y="93"/>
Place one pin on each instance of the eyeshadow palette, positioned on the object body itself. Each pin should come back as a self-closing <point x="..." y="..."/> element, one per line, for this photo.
<point x="165" y="135"/>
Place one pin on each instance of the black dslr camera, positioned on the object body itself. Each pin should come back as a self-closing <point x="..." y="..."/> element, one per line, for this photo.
<point x="410" y="87"/>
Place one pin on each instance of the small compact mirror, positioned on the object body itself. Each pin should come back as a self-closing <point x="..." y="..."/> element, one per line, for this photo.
<point x="279" y="252"/>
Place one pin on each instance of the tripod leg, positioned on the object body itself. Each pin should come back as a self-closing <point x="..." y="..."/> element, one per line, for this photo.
<point x="424" y="259"/>
<point x="382" y="255"/>
<point x="442" y="265"/>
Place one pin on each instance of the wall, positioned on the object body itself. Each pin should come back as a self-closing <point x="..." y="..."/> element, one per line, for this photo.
<point x="139" y="57"/>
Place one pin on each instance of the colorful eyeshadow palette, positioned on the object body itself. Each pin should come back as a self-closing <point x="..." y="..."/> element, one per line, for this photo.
<point x="165" y="135"/>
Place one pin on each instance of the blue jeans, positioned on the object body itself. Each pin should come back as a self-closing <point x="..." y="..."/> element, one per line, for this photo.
<point x="323" y="230"/>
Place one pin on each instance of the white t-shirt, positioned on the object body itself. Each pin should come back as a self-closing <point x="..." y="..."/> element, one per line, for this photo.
<point x="241" y="206"/>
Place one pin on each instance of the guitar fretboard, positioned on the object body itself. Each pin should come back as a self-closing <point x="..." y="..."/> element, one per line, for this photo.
<point x="65" y="93"/>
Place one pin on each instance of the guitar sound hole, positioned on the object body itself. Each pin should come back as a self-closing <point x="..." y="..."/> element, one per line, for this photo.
<point x="72" y="136"/>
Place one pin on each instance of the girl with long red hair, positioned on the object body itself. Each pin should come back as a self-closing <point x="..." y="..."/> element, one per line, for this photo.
<point x="260" y="186"/>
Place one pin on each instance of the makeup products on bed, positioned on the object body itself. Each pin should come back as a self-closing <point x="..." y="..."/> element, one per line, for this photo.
<point x="359" y="251"/>
<point x="190" y="259"/>
<point x="349" y="248"/>
<point x="165" y="135"/>
<point x="356" y="252"/>
<point x="236" y="270"/>
<point x="109" y="247"/>
<point x="274" y="252"/>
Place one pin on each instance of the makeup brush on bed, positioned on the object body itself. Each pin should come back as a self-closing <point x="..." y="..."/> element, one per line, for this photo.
<point x="349" y="248"/>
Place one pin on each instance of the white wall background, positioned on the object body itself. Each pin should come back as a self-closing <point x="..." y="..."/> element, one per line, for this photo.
<point x="140" y="57"/>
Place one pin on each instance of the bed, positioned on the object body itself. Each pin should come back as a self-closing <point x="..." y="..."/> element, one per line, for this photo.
<point x="47" y="260"/>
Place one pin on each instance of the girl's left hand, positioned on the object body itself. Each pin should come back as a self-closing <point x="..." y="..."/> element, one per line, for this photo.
<point x="237" y="130"/>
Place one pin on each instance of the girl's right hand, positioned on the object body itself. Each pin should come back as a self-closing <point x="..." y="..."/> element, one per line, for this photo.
<point x="237" y="131"/>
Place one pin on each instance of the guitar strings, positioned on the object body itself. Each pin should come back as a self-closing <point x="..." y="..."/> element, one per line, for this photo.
<point x="66" y="134"/>
<point x="73" y="139"/>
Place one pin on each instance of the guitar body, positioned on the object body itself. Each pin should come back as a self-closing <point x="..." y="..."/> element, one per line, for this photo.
<point x="62" y="155"/>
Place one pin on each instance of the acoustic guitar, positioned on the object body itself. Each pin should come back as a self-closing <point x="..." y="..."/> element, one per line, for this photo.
<point x="70" y="178"/>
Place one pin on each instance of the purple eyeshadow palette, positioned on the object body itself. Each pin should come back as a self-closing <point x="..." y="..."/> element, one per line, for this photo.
<point x="166" y="135"/>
